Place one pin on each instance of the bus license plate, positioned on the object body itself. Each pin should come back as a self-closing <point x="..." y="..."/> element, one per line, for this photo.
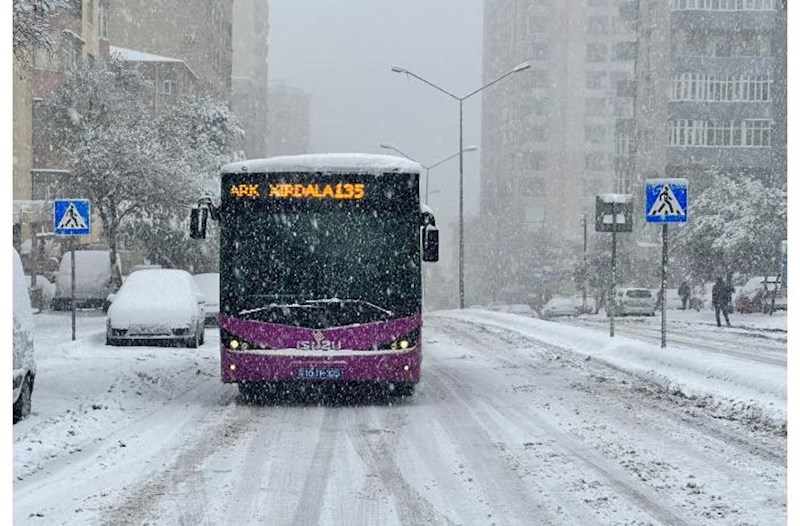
<point x="318" y="373"/>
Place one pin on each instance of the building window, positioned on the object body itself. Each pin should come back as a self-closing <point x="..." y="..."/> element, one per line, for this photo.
<point x="596" y="53"/>
<point x="750" y="133"/>
<point x="594" y="134"/>
<point x="170" y="83"/>
<point x="724" y="88"/>
<point x="102" y="20"/>
<point x="595" y="161"/>
<point x="71" y="50"/>
<point x="623" y="145"/>
<point x="595" y="79"/>
<point x="595" y="106"/>
<point x="757" y="133"/>
<point x="625" y="50"/>
<point x="535" y="160"/>
<point x="539" y="107"/>
<point x="723" y="5"/>
<point x="648" y="141"/>
<point x="597" y="25"/>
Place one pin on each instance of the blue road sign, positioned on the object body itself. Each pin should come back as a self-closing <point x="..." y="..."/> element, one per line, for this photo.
<point x="666" y="201"/>
<point x="72" y="217"/>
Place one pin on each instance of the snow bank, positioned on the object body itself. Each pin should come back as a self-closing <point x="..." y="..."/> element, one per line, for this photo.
<point x="694" y="372"/>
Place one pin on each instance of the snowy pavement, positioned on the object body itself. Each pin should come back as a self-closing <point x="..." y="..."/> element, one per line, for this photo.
<point x="516" y="421"/>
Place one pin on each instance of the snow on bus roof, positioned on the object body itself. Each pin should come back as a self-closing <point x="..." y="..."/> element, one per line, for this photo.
<point x="366" y="163"/>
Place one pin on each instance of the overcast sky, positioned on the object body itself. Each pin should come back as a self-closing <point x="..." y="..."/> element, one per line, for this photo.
<point x="341" y="52"/>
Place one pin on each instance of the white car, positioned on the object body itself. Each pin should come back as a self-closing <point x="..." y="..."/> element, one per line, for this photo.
<point x="93" y="273"/>
<point x="209" y="286"/>
<point x="635" y="301"/>
<point x="24" y="365"/>
<point x="521" y="309"/>
<point x="157" y="305"/>
<point x="561" y="306"/>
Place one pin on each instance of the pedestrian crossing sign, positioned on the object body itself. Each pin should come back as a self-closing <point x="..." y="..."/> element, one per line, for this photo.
<point x="666" y="201"/>
<point x="72" y="217"/>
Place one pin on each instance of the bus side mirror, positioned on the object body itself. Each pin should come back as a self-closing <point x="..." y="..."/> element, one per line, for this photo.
<point x="197" y="223"/>
<point x="430" y="243"/>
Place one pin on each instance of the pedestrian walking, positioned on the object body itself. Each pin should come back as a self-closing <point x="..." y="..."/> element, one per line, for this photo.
<point x="721" y="298"/>
<point x="684" y="291"/>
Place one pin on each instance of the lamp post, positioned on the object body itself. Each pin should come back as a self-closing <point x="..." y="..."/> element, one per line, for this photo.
<point x="516" y="69"/>
<point x="427" y="167"/>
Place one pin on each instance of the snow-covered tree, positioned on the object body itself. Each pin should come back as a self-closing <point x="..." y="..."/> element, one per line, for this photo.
<point x="736" y="225"/>
<point x="198" y="135"/>
<point x="31" y="20"/>
<point x="100" y="120"/>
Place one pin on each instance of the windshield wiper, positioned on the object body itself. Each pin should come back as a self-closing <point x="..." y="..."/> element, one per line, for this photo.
<point x="277" y="306"/>
<point x="343" y="301"/>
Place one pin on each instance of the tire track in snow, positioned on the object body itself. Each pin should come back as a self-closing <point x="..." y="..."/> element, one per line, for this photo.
<point x="309" y="506"/>
<point x="614" y="477"/>
<point x="180" y="485"/>
<point x="376" y="444"/>
<point x="716" y="454"/>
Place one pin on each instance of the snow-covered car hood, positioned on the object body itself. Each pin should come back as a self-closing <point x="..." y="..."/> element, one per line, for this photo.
<point x="155" y="297"/>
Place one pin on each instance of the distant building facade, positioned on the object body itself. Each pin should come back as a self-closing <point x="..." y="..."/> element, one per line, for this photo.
<point x="711" y="89"/>
<point x="198" y="32"/>
<point x="249" y="84"/>
<point x="170" y="77"/>
<point x="289" y="123"/>
<point x="552" y="136"/>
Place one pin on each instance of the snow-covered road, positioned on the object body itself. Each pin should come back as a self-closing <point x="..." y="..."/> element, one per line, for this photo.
<point x="505" y="428"/>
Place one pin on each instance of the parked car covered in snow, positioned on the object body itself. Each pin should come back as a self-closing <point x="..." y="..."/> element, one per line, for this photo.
<point x="634" y="300"/>
<point x="209" y="286"/>
<point x="521" y="309"/>
<point x="561" y="306"/>
<point x="756" y="295"/>
<point x="48" y="289"/>
<point x="93" y="275"/>
<point x="24" y="365"/>
<point x="160" y="305"/>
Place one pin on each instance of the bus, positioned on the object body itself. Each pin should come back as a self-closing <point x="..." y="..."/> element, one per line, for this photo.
<point x="320" y="270"/>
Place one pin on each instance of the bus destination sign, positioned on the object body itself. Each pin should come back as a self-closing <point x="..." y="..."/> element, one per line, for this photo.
<point x="340" y="191"/>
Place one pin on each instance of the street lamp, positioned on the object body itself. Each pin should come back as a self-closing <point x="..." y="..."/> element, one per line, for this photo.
<point x="516" y="69"/>
<point x="427" y="167"/>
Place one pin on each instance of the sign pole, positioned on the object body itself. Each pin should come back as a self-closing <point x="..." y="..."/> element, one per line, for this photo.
<point x="72" y="285"/>
<point x="612" y="302"/>
<point x="664" y="286"/>
<point x="72" y="217"/>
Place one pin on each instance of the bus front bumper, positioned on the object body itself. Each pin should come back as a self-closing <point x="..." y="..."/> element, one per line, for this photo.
<point x="347" y="366"/>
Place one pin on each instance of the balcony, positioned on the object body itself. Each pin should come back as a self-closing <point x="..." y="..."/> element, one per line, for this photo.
<point x="718" y="20"/>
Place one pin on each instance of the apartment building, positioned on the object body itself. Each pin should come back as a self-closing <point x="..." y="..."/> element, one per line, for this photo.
<point x="250" y="73"/>
<point x="551" y="135"/>
<point x="289" y="120"/>
<point x="198" y="32"/>
<point x="711" y="89"/>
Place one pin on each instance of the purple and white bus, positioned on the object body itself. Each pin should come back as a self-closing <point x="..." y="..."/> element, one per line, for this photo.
<point x="321" y="270"/>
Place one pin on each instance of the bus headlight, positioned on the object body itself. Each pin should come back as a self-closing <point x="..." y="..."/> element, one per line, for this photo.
<point x="234" y="344"/>
<point x="401" y="343"/>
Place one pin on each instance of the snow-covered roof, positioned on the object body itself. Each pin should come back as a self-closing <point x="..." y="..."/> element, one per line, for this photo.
<point x="362" y="163"/>
<point x="133" y="55"/>
<point x="616" y="198"/>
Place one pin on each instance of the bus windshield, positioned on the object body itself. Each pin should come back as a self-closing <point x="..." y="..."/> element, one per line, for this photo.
<point x="318" y="269"/>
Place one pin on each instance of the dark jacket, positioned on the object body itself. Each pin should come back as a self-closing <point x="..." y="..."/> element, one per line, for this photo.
<point x="684" y="290"/>
<point x="721" y="294"/>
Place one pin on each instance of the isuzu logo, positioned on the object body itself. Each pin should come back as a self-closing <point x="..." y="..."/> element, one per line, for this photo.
<point x="319" y="344"/>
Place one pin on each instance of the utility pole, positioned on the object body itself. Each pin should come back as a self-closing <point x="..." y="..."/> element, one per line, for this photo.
<point x="585" y="261"/>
